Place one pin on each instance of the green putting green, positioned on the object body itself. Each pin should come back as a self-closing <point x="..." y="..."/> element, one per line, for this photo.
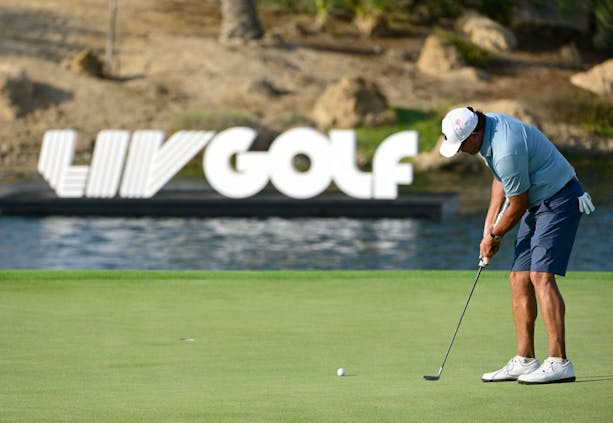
<point x="130" y="346"/>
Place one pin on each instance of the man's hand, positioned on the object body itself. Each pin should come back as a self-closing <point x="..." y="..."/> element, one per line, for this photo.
<point x="585" y="204"/>
<point x="489" y="246"/>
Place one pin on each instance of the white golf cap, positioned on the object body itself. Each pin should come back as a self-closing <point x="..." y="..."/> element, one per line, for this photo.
<point x="457" y="126"/>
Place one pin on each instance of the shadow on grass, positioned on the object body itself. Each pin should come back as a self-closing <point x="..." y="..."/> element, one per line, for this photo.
<point x="594" y="379"/>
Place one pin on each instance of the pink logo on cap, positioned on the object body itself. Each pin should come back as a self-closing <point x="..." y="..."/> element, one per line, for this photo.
<point x="458" y="125"/>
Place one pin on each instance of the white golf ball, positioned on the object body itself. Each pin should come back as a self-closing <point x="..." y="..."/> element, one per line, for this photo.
<point x="340" y="372"/>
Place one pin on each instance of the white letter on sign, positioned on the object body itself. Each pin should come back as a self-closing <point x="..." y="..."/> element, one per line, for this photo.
<point x="388" y="170"/>
<point x="347" y="176"/>
<point x="101" y="180"/>
<point x="286" y="178"/>
<point x="179" y="149"/>
<point x="142" y="151"/>
<point x="151" y="165"/>
<point x="56" y="156"/>
<point x="107" y="163"/>
<point x="251" y="174"/>
<point x="229" y="167"/>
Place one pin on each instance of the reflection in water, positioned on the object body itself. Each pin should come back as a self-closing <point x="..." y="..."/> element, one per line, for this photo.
<point x="262" y="244"/>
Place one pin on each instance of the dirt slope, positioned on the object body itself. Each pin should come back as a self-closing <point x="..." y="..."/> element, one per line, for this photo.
<point x="169" y="60"/>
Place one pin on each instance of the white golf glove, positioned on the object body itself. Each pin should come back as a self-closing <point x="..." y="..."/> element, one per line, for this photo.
<point x="585" y="204"/>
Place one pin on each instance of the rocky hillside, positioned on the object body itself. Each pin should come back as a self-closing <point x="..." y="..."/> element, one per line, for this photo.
<point x="169" y="61"/>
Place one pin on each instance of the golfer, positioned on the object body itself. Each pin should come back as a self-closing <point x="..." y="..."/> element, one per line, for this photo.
<point x="547" y="200"/>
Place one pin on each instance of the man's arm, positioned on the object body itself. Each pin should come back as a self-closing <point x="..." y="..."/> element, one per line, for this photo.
<point x="497" y="199"/>
<point x="518" y="204"/>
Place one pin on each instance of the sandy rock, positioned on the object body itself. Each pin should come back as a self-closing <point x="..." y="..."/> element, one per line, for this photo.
<point x="598" y="79"/>
<point x="351" y="102"/>
<point x="570" y="55"/>
<point x="486" y="33"/>
<point x="371" y="25"/>
<point x="16" y="92"/>
<point x="442" y="60"/>
<point x="437" y="57"/>
<point x="86" y="62"/>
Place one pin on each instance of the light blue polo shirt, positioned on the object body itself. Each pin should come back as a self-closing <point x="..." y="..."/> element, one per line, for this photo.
<point x="523" y="159"/>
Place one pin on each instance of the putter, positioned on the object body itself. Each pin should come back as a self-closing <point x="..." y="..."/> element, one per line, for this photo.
<point x="483" y="262"/>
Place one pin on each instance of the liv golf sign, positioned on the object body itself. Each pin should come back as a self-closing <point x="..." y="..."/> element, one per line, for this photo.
<point x="138" y="164"/>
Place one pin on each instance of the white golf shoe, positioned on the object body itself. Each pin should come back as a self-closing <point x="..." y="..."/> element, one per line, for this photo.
<point x="516" y="367"/>
<point x="551" y="371"/>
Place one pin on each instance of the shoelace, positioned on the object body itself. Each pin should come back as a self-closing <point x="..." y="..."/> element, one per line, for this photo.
<point x="510" y="364"/>
<point x="547" y="366"/>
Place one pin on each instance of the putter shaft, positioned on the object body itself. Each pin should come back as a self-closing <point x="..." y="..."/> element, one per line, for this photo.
<point x="437" y="377"/>
<point x="482" y="263"/>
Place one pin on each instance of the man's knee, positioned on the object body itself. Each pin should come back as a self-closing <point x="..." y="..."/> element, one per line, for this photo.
<point x="541" y="279"/>
<point x="519" y="279"/>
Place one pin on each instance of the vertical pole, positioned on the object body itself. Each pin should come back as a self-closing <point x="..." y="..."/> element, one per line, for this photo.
<point x="110" y="38"/>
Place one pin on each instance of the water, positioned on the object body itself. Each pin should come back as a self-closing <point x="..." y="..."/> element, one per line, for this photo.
<point x="276" y="243"/>
<point x="266" y="244"/>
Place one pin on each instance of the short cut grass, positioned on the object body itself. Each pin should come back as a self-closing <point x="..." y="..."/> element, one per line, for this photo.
<point x="131" y="346"/>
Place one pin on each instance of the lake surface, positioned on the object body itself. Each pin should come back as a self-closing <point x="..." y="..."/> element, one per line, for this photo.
<point x="276" y="243"/>
<point x="273" y="243"/>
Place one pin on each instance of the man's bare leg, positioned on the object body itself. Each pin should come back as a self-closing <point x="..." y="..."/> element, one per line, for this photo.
<point x="553" y="310"/>
<point x="524" y="312"/>
<point x="524" y="315"/>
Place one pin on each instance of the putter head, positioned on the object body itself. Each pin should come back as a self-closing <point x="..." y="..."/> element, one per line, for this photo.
<point x="432" y="377"/>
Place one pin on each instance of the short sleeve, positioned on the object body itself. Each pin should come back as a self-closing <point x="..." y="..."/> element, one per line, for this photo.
<point x="514" y="174"/>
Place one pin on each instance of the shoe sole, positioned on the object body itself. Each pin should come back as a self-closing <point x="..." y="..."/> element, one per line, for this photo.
<point x="566" y="380"/>
<point x="498" y="380"/>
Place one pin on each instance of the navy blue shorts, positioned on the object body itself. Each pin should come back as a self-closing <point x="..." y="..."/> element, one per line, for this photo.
<point x="547" y="232"/>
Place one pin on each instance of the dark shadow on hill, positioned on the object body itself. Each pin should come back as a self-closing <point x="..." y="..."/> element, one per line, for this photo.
<point x="46" y="96"/>
<point x="340" y="48"/>
<point x="41" y="35"/>
<point x="124" y="78"/>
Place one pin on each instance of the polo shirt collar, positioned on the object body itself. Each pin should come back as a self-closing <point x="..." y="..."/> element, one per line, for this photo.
<point x="486" y="144"/>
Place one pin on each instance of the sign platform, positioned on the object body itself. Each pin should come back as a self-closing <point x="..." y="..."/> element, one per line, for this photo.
<point x="202" y="203"/>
